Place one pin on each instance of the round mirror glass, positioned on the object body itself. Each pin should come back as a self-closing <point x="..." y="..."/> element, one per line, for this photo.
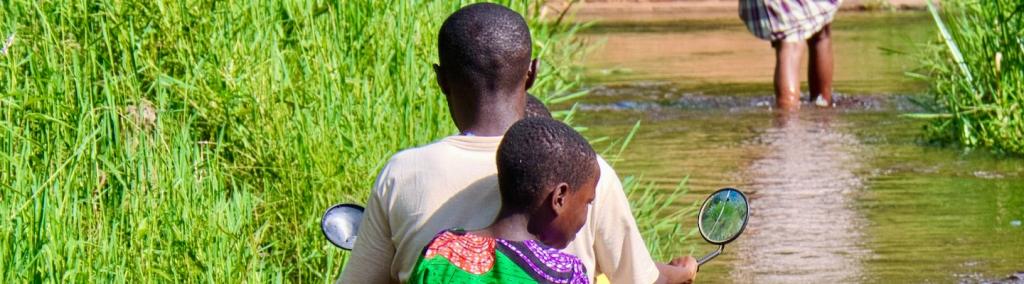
<point x="723" y="216"/>
<point x="341" y="224"/>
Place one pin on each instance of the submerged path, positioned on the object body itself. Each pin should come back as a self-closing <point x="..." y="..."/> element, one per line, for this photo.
<point x="851" y="195"/>
<point x="803" y="227"/>
<point x="847" y="195"/>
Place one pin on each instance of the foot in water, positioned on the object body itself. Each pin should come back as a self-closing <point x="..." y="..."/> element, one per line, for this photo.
<point x="822" y="102"/>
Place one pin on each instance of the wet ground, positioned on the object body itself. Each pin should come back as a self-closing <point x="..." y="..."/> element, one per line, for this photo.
<point x="851" y="194"/>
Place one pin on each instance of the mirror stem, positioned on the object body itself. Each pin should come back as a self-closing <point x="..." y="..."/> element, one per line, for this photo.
<point x="711" y="255"/>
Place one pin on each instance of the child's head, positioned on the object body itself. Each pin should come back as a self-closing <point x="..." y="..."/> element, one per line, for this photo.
<point x="485" y="60"/>
<point x="535" y="107"/>
<point x="548" y="172"/>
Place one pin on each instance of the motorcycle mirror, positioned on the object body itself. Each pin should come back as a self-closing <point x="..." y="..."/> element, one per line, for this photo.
<point x="340" y="224"/>
<point x="721" y="219"/>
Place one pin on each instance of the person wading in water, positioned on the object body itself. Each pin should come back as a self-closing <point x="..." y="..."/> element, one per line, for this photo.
<point x="792" y="26"/>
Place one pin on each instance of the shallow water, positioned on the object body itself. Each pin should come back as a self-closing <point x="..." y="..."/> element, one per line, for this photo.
<point x="844" y="195"/>
<point x="720" y="56"/>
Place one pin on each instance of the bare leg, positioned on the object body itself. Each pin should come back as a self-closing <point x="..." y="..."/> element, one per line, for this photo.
<point x="787" y="68"/>
<point x="820" y="71"/>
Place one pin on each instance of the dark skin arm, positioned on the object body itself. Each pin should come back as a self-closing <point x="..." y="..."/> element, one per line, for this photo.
<point x="679" y="270"/>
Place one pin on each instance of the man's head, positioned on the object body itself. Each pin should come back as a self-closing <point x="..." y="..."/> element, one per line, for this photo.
<point x="485" y="63"/>
<point x="549" y="172"/>
<point x="536" y="108"/>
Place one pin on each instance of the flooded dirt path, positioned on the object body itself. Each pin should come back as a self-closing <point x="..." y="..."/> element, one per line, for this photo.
<point x="847" y="195"/>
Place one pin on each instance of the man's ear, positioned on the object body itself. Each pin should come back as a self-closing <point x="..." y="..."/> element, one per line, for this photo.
<point x="559" y="197"/>
<point x="531" y="75"/>
<point x="442" y="82"/>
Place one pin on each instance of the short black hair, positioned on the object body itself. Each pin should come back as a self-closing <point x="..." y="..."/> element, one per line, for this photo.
<point x="535" y="107"/>
<point x="487" y="45"/>
<point x="537" y="153"/>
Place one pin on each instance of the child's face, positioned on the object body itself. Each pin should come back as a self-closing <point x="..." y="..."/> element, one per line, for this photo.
<point x="574" y="213"/>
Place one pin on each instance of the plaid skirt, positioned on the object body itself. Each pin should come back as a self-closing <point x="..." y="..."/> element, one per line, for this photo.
<point x="787" y="20"/>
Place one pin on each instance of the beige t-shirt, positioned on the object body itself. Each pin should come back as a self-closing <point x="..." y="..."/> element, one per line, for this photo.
<point x="453" y="183"/>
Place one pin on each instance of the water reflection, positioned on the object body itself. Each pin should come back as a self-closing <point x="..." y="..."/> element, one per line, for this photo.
<point x="804" y="227"/>
<point x="850" y="197"/>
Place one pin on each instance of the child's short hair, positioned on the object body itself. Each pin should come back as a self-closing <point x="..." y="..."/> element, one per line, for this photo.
<point x="537" y="153"/>
<point x="535" y="107"/>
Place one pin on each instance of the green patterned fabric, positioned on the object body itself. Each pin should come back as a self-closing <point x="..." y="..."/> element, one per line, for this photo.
<point x="438" y="269"/>
<point x="455" y="256"/>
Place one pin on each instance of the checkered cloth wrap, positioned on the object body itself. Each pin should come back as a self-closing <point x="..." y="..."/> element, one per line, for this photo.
<point x="787" y="20"/>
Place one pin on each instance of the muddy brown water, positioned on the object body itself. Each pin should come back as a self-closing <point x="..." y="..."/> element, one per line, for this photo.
<point x="852" y="194"/>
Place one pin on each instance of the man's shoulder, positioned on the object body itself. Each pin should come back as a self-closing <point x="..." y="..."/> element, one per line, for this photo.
<point x="418" y="153"/>
<point x="407" y="163"/>
<point x="608" y="176"/>
<point x="606" y="168"/>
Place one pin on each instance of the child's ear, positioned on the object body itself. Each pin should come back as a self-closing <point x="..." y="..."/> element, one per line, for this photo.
<point x="441" y="81"/>
<point x="531" y="74"/>
<point x="559" y="197"/>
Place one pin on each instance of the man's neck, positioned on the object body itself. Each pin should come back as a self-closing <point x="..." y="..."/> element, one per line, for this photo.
<point x="490" y="113"/>
<point x="491" y="122"/>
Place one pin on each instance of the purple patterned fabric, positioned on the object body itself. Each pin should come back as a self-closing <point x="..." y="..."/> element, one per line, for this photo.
<point x="787" y="20"/>
<point x="547" y="263"/>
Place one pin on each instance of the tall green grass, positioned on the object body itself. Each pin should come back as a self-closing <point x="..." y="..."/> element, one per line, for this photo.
<point x="199" y="141"/>
<point x="659" y="215"/>
<point x="977" y="74"/>
<point x="185" y="141"/>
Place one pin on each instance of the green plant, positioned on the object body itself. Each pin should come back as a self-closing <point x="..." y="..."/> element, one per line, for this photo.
<point x="658" y="214"/>
<point x="199" y="141"/>
<point x="977" y="75"/>
<point x="195" y="140"/>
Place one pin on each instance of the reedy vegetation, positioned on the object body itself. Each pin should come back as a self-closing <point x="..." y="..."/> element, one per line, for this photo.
<point x="199" y="141"/>
<point x="981" y="98"/>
